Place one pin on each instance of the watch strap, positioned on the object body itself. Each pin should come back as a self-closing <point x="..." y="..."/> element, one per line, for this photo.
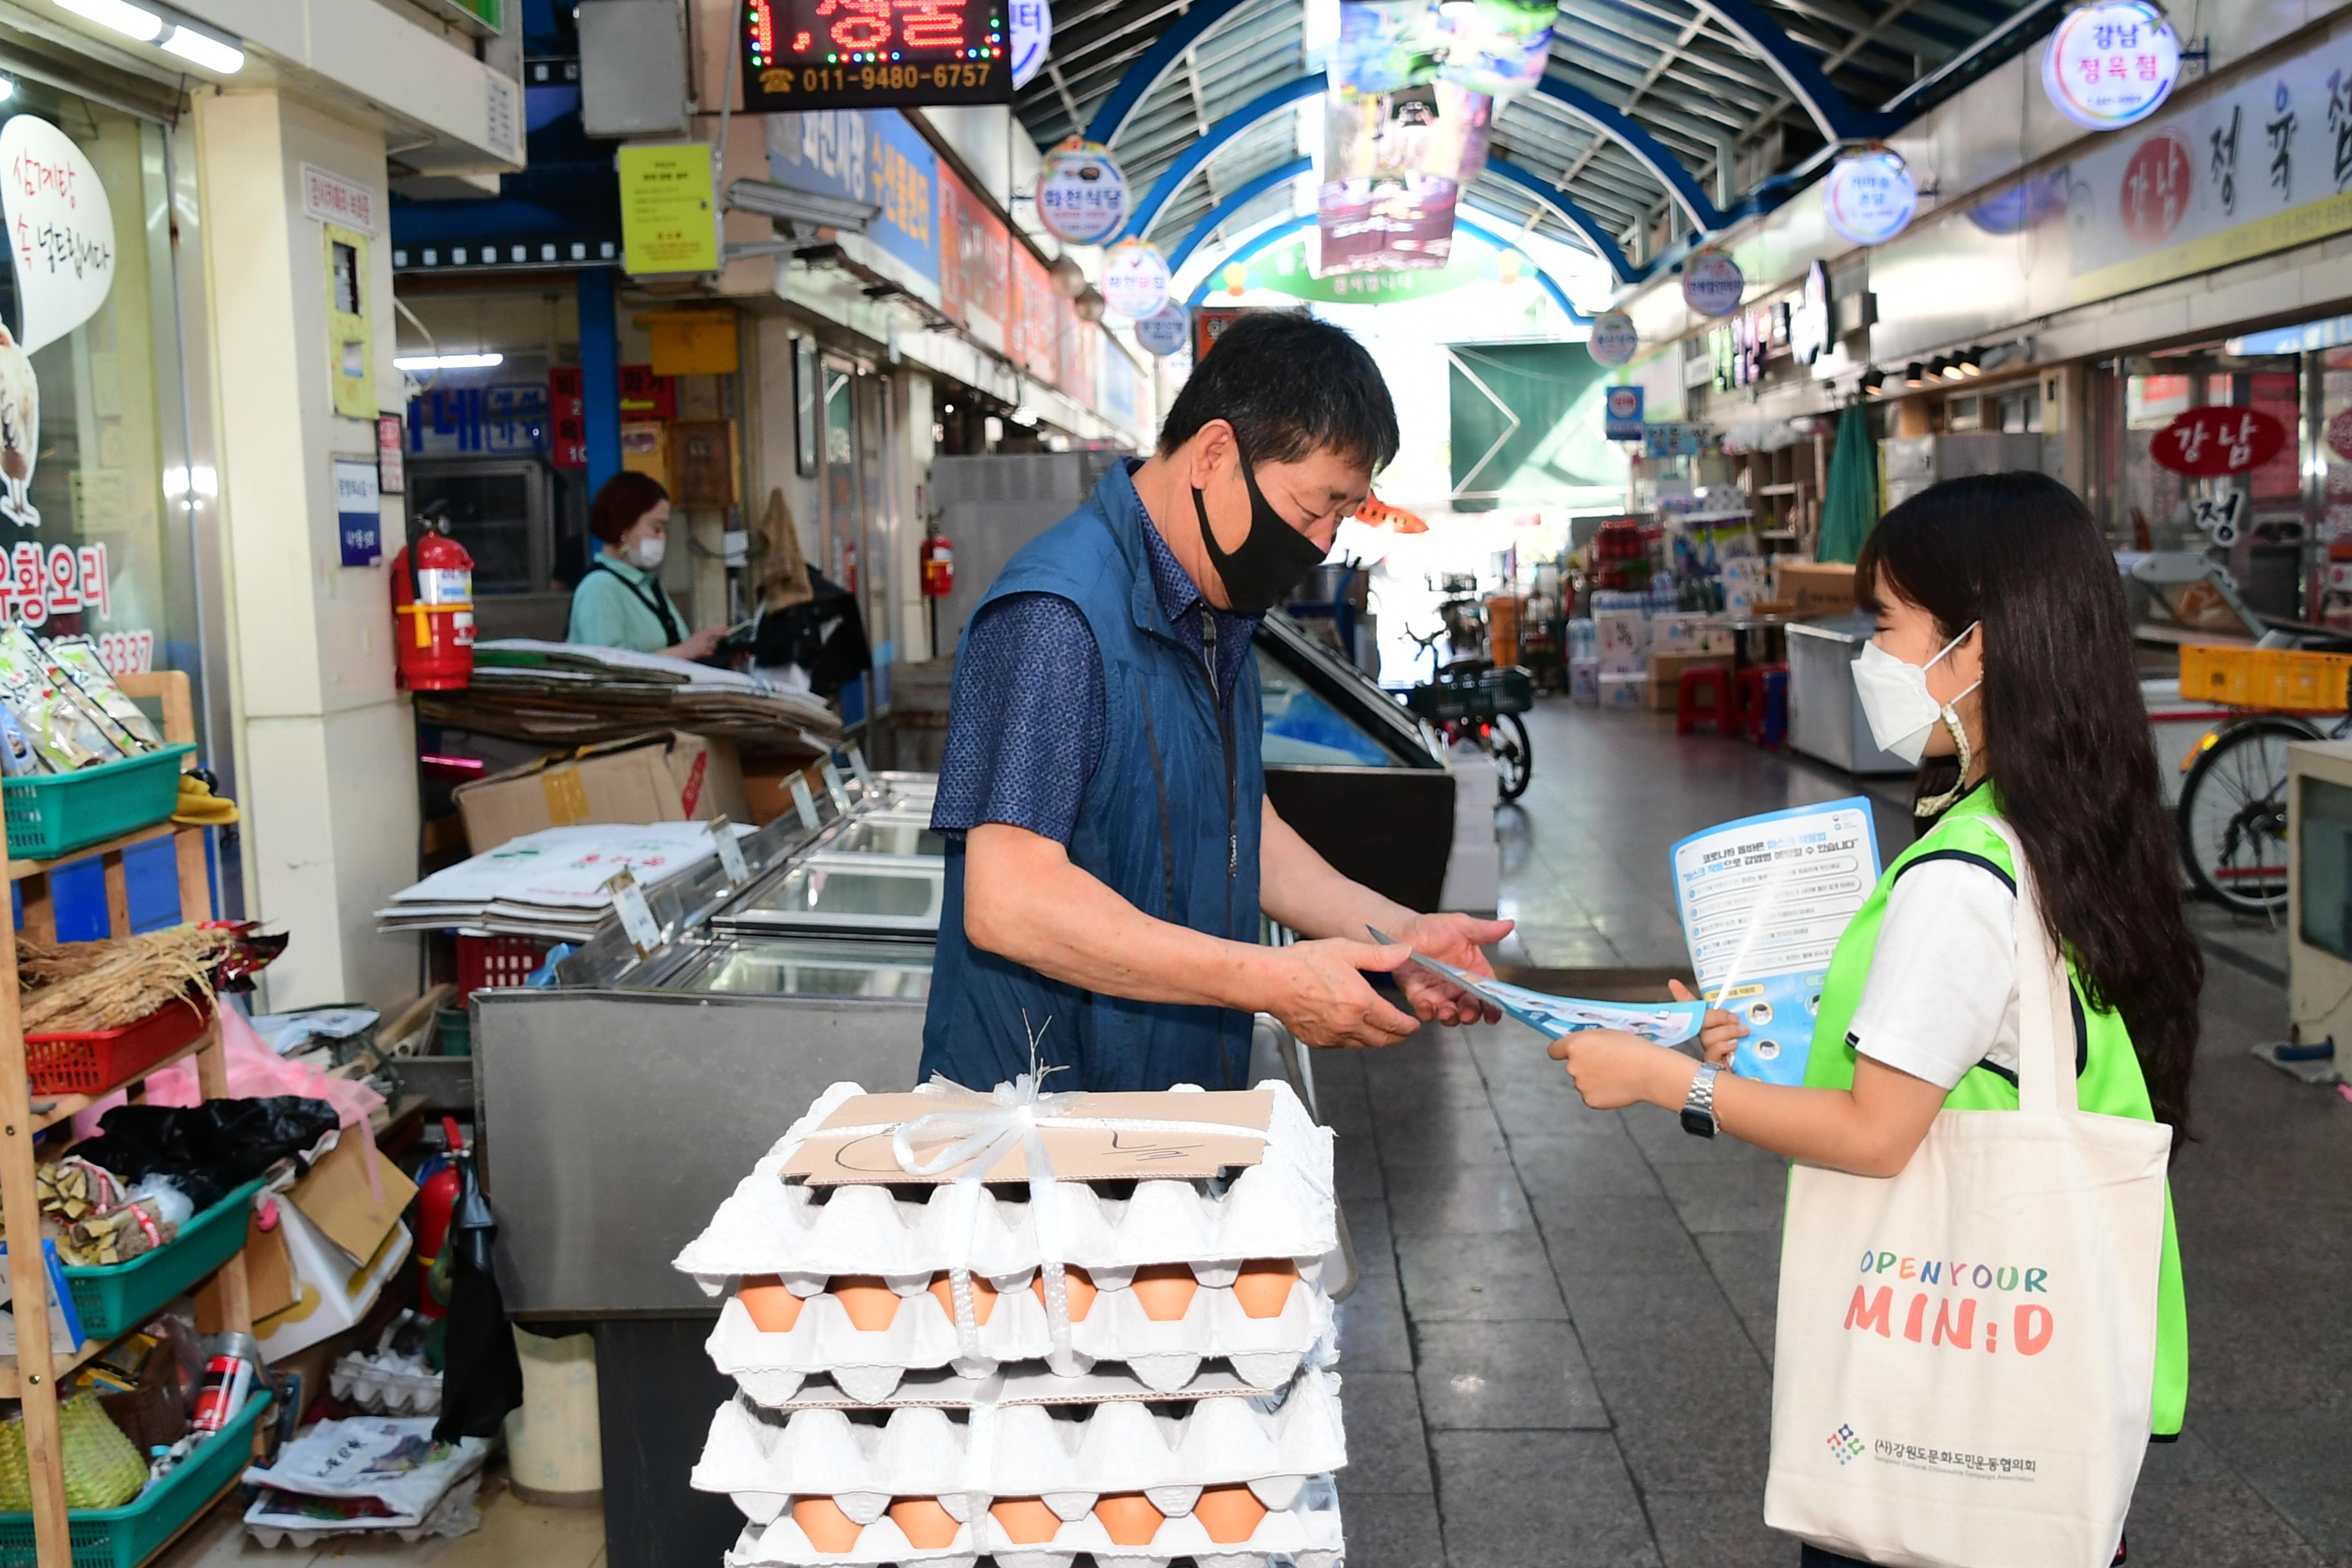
<point x="1698" y="1109"/>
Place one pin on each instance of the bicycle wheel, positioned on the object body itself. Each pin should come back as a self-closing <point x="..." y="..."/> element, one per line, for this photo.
<point x="2233" y="814"/>
<point x="1515" y="760"/>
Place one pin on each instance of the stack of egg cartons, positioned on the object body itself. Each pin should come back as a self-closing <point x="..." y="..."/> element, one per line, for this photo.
<point x="1193" y="1412"/>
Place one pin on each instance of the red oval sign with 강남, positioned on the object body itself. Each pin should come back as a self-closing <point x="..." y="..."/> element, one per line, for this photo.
<point x="2208" y="443"/>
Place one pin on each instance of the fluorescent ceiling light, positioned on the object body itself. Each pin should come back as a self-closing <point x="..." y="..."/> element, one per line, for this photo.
<point x="135" y="21"/>
<point x="447" y="362"/>
<point x="8" y="89"/>
<point x="203" y="49"/>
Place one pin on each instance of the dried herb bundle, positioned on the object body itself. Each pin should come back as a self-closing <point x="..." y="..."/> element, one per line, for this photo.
<point x="105" y="985"/>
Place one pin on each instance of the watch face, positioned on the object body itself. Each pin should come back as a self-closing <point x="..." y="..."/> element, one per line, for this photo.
<point x="1698" y="1122"/>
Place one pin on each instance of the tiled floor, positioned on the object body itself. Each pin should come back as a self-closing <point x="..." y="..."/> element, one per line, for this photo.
<point x="1561" y="1352"/>
<point x="514" y="1534"/>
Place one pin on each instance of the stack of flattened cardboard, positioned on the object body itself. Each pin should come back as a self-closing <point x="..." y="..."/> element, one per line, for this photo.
<point x="897" y="1339"/>
<point x="335" y="1241"/>
<point x="552" y="883"/>
<point x="568" y="693"/>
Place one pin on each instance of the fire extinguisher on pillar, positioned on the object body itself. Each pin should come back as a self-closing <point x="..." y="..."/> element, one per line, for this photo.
<point x="939" y="578"/>
<point x="433" y="611"/>
<point x="436" y="1200"/>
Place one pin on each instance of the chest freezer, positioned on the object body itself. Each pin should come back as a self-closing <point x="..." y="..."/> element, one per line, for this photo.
<point x="799" y="966"/>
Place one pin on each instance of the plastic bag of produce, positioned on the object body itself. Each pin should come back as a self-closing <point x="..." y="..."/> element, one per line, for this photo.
<point x="77" y="657"/>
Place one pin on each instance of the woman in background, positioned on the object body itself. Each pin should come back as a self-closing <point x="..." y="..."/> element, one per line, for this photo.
<point x="620" y="602"/>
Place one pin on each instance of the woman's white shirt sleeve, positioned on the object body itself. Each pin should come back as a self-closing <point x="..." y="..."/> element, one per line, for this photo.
<point x="1941" y="995"/>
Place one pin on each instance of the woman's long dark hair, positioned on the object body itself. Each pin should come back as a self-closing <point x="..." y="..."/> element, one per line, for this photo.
<point x="2065" y="738"/>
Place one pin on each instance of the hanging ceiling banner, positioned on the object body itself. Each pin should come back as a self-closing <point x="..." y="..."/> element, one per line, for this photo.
<point x="1081" y="195"/>
<point x="1033" y="36"/>
<point x="1869" y="197"/>
<point x="1440" y="131"/>
<point x="1614" y="340"/>
<point x="1493" y="46"/>
<point x="1497" y="46"/>
<point x="60" y="230"/>
<point x="1387" y="46"/>
<point x="1166" y="330"/>
<point x="1712" y="282"/>
<point x="800" y="54"/>
<point x="2111" y="65"/>
<point x="1135" y="279"/>
<point x="1398" y="223"/>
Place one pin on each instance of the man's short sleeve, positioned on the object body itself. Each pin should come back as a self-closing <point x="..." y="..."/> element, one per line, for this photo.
<point x="1025" y="719"/>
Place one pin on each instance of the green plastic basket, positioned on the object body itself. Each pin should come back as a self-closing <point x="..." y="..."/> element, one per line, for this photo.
<point x="127" y="1536"/>
<point x="119" y="1296"/>
<point x="51" y="814"/>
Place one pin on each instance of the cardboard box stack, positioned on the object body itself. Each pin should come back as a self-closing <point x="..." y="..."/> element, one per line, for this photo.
<point x="903" y="1396"/>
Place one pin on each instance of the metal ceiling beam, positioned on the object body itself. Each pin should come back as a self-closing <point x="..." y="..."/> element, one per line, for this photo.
<point x="1646" y="148"/>
<point x="1838" y="120"/>
<point x="1264" y="106"/>
<point x="1222" y="212"/>
<point x="1575" y="216"/>
<point x="1144" y="75"/>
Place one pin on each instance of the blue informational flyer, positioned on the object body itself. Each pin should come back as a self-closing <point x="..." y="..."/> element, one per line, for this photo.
<point x="1660" y="1023"/>
<point x="1763" y="902"/>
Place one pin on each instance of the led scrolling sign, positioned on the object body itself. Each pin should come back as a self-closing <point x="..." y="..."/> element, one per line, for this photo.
<point x="874" y="54"/>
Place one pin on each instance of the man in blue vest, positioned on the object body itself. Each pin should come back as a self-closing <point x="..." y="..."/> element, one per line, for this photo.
<point x="1103" y="773"/>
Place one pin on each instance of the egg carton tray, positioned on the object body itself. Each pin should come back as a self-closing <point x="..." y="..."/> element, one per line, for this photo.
<point x="1165" y="1355"/>
<point x="1033" y="1382"/>
<point x="762" y="1459"/>
<point x="1280" y="1207"/>
<point x="386" y="1390"/>
<point x="1305" y="1534"/>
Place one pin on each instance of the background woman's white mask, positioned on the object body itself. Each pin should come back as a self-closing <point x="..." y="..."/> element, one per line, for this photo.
<point x="1894" y="699"/>
<point x="649" y="551"/>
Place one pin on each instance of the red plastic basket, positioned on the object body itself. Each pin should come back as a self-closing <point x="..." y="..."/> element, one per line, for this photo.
<point x="496" y="961"/>
<point x="85" y="1063"/>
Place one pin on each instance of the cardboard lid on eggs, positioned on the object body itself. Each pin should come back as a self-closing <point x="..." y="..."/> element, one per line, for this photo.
<point x="1170" y="1136"/>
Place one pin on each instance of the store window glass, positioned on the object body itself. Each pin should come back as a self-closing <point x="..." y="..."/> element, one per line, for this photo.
<point x="92" y="470"/>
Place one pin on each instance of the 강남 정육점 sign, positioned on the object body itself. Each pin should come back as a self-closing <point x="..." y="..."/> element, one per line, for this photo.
<point x="2111" y="64"/>
<point x="2209" y="442"/>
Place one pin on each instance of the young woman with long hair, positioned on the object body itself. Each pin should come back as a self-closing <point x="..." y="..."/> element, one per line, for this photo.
<point x="2004" y="662"/>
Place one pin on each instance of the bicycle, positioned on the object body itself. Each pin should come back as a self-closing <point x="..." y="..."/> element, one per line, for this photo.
<point x="2233" y="813"/>
<point x="1470" y="700"/>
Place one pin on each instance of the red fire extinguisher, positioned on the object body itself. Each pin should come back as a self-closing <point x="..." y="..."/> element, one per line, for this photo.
<point x="436" y="1199"/>
<point x="939" y="566"/>
<point x="433" y="612"/>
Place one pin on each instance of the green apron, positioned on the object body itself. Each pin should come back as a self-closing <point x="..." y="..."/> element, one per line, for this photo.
<point x="2109" y="1081"/>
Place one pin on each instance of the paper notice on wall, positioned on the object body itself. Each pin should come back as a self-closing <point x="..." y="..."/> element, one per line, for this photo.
<point x="1763" y="902"/>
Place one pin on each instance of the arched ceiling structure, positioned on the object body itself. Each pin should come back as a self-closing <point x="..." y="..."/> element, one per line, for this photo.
<point x="1656" y="119"/>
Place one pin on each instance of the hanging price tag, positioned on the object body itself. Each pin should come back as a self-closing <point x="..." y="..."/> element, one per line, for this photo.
<point x="835" y="788"/>
<point x="637" y="921"/>
<point x="730" y="852"/>
<point x="803" y="801"/>
<point x="857" y="766"/>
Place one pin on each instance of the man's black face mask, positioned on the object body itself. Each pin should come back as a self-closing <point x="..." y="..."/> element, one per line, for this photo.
<point x="1272" y="559"/>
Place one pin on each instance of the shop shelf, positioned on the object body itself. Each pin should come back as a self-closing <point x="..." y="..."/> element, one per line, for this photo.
<point x="90" y="1061"/>
<point x="117" y="1299"/>
<point x="55" y="813"/>
<point x="127" y="1536"/>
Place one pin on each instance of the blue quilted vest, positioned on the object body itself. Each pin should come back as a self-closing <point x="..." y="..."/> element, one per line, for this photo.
<point x="1169" y="822"/>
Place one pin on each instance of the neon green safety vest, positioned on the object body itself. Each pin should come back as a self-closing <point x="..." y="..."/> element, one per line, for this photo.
<point x="2109" y="1083"/>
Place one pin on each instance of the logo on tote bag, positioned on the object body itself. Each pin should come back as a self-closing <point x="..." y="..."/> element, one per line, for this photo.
<point x="1846" y="1445"/>
<point x="1956" y="1319"/>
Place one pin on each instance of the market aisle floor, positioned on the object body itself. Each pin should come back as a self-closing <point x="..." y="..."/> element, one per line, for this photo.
<point x="1561" y="1351"/>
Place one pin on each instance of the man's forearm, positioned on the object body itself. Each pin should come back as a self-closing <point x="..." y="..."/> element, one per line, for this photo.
<point x="1299" y="887"/>
<point x="1023" y="901"/>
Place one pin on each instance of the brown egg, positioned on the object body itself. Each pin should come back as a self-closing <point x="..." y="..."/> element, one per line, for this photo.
<point x="1078" y="1289"/>
<point x="773" y="1309"/>
<point x="1229" y="1514"/>
<point x="871" y="1304"/>
<point x="1128" y="1517"/>
<point x="827" y="1528"/>
<point x="1027" y="1520"/>
<point x="1264" y="1287"/>
<point x="983" y="1296"/>
<point x="927" y="1526"/>
<point x="1165" y="1289"/>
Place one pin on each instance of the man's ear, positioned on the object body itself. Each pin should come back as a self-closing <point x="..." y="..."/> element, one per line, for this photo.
<point x="1212" y="448"/>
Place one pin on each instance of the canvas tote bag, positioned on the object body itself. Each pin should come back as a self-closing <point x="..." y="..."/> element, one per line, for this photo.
<point x="1967" y="1351"/>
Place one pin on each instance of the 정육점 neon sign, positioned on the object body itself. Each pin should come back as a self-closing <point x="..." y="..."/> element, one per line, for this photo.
<point x="801" y="55"/>
<point x="2111" y="64"/>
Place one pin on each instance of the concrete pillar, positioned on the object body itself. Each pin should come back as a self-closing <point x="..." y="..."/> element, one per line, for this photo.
<point x="324" y="742"/>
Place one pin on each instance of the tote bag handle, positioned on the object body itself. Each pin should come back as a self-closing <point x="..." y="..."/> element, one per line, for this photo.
<point x="2046" y="1011"/>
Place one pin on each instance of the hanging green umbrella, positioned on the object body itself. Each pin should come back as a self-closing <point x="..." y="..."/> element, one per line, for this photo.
<point x="1850" y="505"/>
